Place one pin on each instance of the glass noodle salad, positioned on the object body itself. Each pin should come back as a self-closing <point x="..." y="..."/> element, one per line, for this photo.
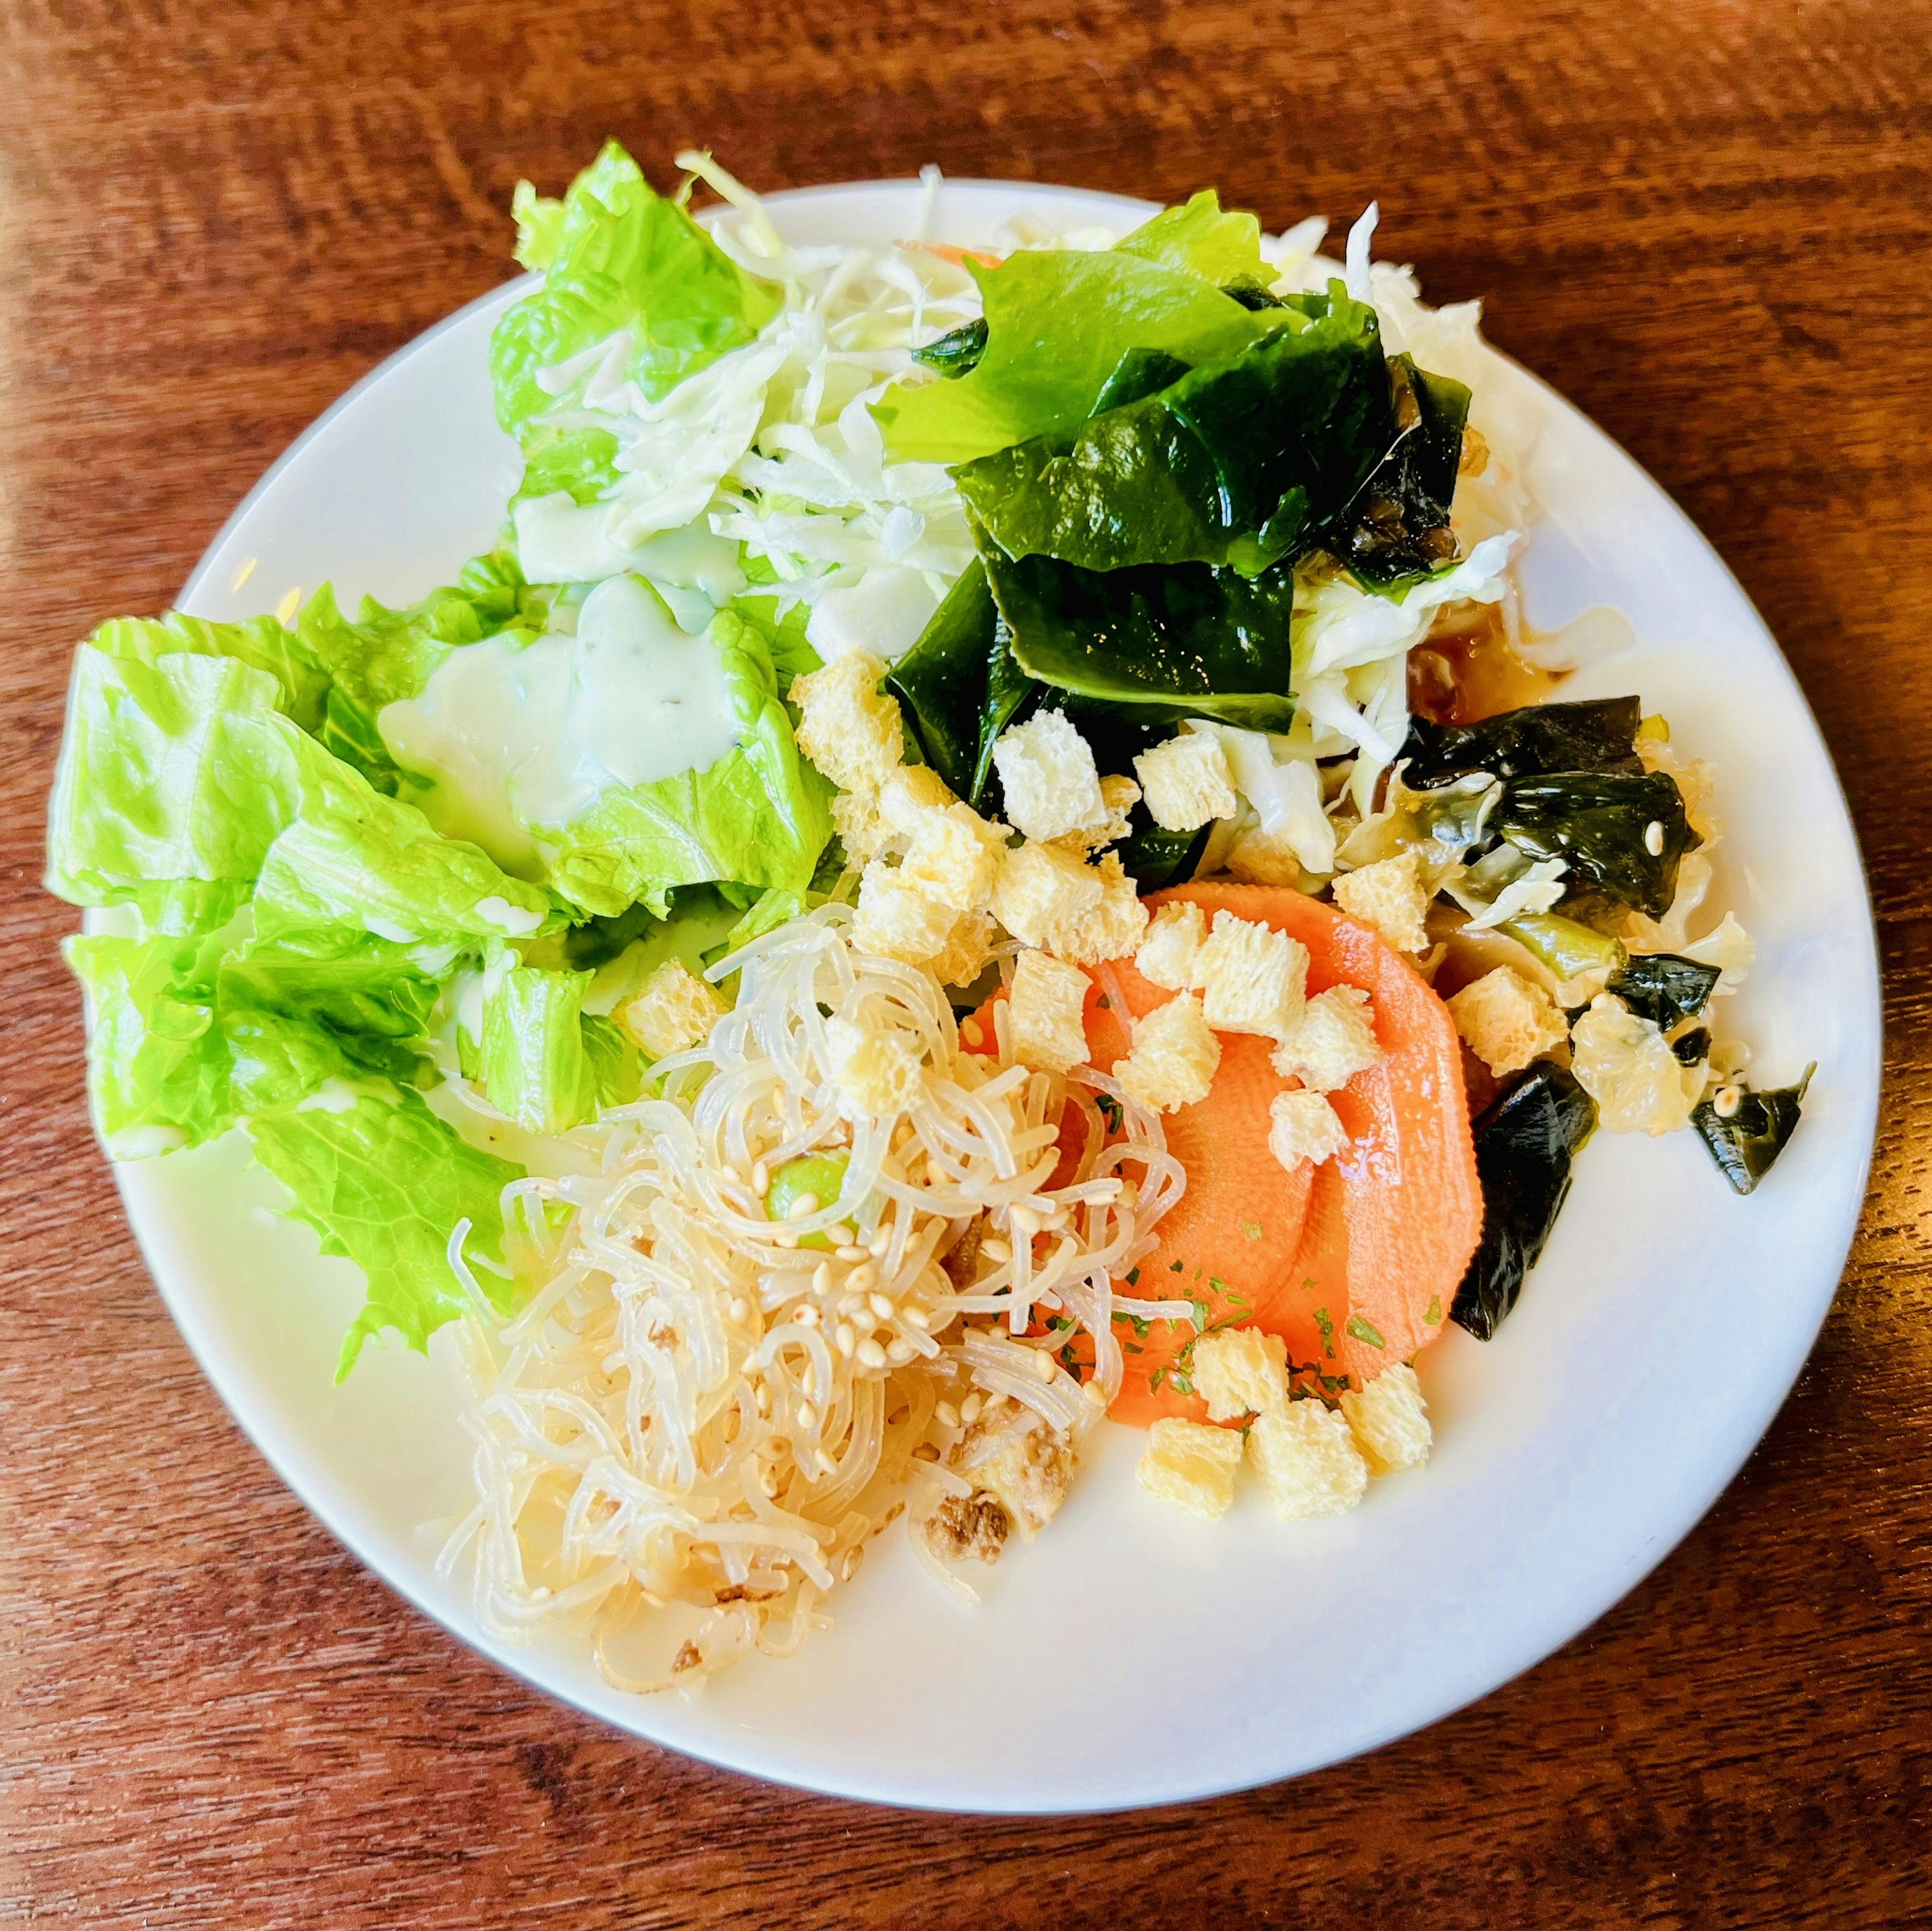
<point x="987" y="850"/>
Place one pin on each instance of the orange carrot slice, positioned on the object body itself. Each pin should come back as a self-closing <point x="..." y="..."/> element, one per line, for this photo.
<point x="948" y="251"/>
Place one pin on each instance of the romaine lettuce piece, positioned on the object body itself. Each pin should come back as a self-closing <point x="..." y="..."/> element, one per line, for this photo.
<point x="352" y="857"/>
<point x="757" y="816"/>
<point x="535" y="1067"/>
<point x="385" y="1183"/>
<point x="176" y="774"/>
<point x="1056" y="326"/>
<point x="159" y="1074"/>
<point x="618" y="260"/>
<point x="262" y="643"/>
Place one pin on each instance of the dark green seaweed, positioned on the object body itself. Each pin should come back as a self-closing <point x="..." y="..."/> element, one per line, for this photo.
<point x="1746" y="1145"/>
<point x="1153" y="857"/>
<point x="1663" y="987"/>
<point x="1399" y="527"/>
<point x="958" y="353"/>
<point x="1599" y="823"/>
<point x="1597" y="734"/>
<point x="943" y="682"/>
<point x="1692" y="1046"/>
<point x="1139" y="374"/>
<point x="1525" y="1143"/>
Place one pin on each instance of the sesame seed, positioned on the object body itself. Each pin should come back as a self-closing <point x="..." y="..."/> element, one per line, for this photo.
<point x="899" y="1353"/>
<point x="774" y="1447"/>
<point x="769" y="1483"/>
<point x="761" y="1178"/>
<point x="850" y="1254"/>
<point x="806" y="1316"/>
<point x="1653" y="838"/>
<point x="787" y="1239"/>
<point x="994" y="1402"/>
<point x="541" y="1593"/>
<point x="870" y="1354"/>
<point x="740" y="1307"/>
<point x="1042" y="1365"/>
<point x="1091" y="1391"/>
<point x="826" y="1466"/>
<point x="805" y="1203"/>
<point x="915" y="1317"/>
<point x="996" y="1251"/>
<point x="881" y="1305"/>
<point x="808" y="1416"/>
<point x="925" y="1451"/>
<point x="880" y="1242"/>
<point x="849" y="1567"/>
<point x="947" y="1415"/>
<point x="821" y="1277"/>
<point x="969" y="1409"/>
<point x="1726" y="1101"/>
<point x="1023" y="1223"/>
<point x="845" y="1340"/>
<point x="763" y="1398"/>
<point x="973" y="1032"/>
<point x="862" y="1278"/>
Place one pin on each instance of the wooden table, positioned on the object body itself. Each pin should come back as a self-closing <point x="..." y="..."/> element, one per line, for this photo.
<point x="1705" y="222"/>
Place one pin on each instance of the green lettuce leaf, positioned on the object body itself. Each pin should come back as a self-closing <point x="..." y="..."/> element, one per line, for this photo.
<point x="353" y="857"/>
<point x="384" y="1183"/>
<point x="1058" y="324"/>
<point x="615" y="255"/>
<point x="159" y="1073"/>
<point x="758" y="816"/>
<point x="175" y="776"/>
<point x="1199" y="238"/>
<point x="262" y="643"/>
<point x="535" y="1067"/>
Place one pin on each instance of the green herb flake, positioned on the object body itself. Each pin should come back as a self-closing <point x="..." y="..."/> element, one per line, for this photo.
<point x="1326" y="1328"/>
<point x="1432" y="1314"/>
<point x="1363" y="1333"/>
<point x="1251" y="1228"/>
<point x="1133" y="1277"/>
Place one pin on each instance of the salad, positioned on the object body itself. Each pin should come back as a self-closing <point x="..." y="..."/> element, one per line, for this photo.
<point x="987" y="850"/>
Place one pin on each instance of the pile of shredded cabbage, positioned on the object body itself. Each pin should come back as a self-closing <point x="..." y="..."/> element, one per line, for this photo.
<point x="698" y="1406"/>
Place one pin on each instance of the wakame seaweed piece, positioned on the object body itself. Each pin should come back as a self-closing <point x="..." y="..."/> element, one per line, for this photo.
<point x="1399" y="526"/>
<point x="1663" y="987"/>
<point x="1745" y="1144"/>
<point x="599" y="940"/>
<point x="1601" y="823"/>
<point x="957" y="353"/>
<point x="1244" y="461"/>
<point x="1182" y="641"/>
<point x="942" y="681"/>
<point x="1526" y="1143"/>
<point x="1691" y="1047"/>
<point x="1139" y="374"/>
<point x="1152" y="856"/>
<point x="1597" y="734"/>
<point x="1253" y="295"/>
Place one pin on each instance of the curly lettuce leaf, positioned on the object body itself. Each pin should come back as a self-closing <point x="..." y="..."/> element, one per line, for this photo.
<point x="617" y="259"/>
<point x="1198" y="237"/>
<point x="1057" y="326"/>
<point x="385" y="1183"/>
<point x="757" y="816"/>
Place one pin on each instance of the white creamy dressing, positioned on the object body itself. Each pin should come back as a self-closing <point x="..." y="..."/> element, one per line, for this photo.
<point x="513" y="741"/>
<point x="559" y="541"/>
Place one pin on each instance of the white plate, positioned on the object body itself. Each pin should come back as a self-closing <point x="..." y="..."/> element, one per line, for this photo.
<point x="1133" y="1656"/>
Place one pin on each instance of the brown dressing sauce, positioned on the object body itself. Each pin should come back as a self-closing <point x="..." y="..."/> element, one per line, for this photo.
<point x="1464" y="671"/>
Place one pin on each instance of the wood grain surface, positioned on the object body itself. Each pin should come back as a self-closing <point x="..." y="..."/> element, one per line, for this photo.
<point x="1705" y="220"/>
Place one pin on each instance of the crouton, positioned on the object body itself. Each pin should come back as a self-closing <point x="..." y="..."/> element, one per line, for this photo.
<point x="1389" y="1420"/>
<point x="1389" y="896"/>
<point x="1335" y="1041"/>
<point x="896" y="920"/>
<point x="1265" y="858"/>
<point x="1111" y="929"/>
<point x="1044" y="1013"/>
<point x="846" y="726"/>
<point x="1047" y="772"/>
<point x="951" y="855"/>
<point x="1240" y="1371"/>
<point x="861" y="829"/>
<point x="1120" y="795"/>
<point x="1174" y="939"/>
<point x="673" y="1009"/>
<point x="967" y="951"/>
<point x="1506" y="1021"/>
<point x="1173" y="1059"/>
<point x="1191" y="1466"/>
<point x="1306" y="1457"/>
<point x="1046" y="896"/>
<point x="1252" y="978"/>
<point x="877" y="1071"/>
<point x="906" y="791"/>
<point x="1305" y="1127"/>
<point x="1185" y="781"/>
